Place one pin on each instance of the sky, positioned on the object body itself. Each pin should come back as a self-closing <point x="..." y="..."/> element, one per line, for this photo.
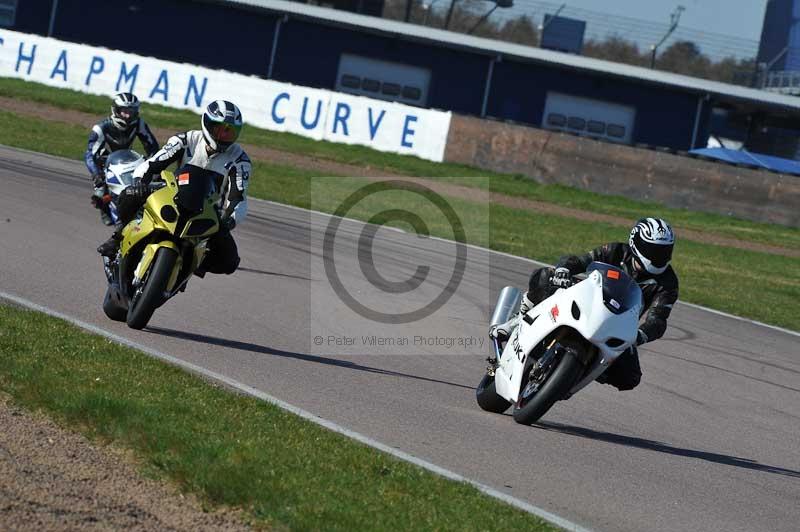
<point x="739" y="18"/>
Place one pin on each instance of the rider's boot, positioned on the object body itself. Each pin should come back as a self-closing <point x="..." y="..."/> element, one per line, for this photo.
<point x="109" y="247"/>
<point x="105" y="217"/>
<point x="502" y="331"/>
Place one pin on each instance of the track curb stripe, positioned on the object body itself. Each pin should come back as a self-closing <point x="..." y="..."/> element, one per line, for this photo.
<point x="330" y="425"/>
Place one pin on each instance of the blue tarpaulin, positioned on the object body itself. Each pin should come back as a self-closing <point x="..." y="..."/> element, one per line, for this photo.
<point x="744" y="157"/>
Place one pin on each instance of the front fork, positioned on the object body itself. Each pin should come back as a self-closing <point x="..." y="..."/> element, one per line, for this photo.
<point x="494" y="360"/>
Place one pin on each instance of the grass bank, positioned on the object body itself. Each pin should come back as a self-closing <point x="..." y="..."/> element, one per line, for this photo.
<point x="285" y="472"/>
<point x="514" y="185"/>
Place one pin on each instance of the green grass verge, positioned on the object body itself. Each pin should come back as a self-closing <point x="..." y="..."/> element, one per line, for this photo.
<point x="514" y="185"/>
<point x="754" y="285"/>
<point x="285" y="472"/>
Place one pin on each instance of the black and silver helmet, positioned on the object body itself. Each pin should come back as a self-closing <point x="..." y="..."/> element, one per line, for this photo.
<point x="125" y="110"/>
<point x="222" y="124"/>
<point x="651" y="242"/>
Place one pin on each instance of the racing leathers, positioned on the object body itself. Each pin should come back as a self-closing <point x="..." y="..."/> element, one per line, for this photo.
<point x="659" y="294"/>
<point x="232" y="170"/>
<point x="106" y="138"/>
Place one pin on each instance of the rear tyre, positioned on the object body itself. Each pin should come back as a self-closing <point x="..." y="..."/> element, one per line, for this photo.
<point x="487" y="397"/>
<point x="142" y="307"/>
<point x="558" y="383"/>
<point x="113" y="306"/>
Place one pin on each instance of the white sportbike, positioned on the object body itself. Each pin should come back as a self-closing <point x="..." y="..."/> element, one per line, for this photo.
<point x="562" y="344"/>
<point x="118" y="172"/>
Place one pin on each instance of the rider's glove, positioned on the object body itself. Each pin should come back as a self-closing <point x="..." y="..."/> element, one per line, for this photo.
<point x="98" y="180"/>
<point x="561" y="278"/>
<point x="502" y="331"/>
<point x="227" y="223"/>
<point x="140" y="190"/>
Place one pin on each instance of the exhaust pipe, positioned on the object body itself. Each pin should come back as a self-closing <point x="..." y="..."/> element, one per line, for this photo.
<point x="507" y="304"/>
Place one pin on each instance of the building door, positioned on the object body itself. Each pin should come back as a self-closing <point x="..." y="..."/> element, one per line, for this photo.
<point x="589" y="117"/>
<point x="383" y="80"/>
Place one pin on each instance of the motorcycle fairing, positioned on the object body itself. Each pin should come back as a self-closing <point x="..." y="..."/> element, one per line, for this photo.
<point x="595" y="322"/>
<point x="151" y="221"/>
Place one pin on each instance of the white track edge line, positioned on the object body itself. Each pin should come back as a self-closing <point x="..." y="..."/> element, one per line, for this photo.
<point x="330" y="425"/>
<point x="532" y="261"/>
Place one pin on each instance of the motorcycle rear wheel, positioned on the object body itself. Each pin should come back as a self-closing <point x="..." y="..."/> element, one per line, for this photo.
<point x="141" y="308"/>
<point x="487" y="397"/>
<point x="557" y="385"/>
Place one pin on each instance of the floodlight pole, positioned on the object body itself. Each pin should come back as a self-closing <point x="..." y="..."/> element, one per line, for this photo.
<point x="449" y="14"/>
<point x="52" y="18"/>
<point x="480" y="20"/>
<point x="674" y="18"/>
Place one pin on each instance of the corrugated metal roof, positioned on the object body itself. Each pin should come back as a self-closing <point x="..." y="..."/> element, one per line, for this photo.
<point x="536" y="55"/>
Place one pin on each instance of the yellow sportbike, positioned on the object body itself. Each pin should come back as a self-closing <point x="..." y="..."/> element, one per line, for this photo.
<point x="162" y="247"/>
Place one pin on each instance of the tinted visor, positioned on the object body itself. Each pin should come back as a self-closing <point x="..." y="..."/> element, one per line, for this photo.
<point x="658" y="254"/>
<point x="128" y="114"/>
<point x="222" y="132"/>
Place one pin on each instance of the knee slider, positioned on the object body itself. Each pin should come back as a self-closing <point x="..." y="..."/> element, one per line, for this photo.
<point x="232" y="265"/>
<point x="630" y="383"/>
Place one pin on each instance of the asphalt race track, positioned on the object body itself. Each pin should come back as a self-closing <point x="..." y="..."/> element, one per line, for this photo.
<point x="708" y="441"/>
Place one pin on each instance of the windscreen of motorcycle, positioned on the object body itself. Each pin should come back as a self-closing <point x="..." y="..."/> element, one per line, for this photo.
<point x="195" y="184"/>
<point x="620" y="292"/>
<point x="120" y="166"/>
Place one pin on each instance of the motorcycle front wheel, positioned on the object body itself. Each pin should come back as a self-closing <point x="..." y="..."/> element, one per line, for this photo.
<point x="112" y="304"/>
<point x="529" y="408"/>
<point x="144" y="304"/>
<point x="487" y="397"/>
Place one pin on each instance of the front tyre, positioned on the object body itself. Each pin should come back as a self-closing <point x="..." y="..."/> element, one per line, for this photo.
<point x="529" y="409"/>
<point x="151" y="297"/>
<point x="487" y="397"/>
<point x="113" y="305"/>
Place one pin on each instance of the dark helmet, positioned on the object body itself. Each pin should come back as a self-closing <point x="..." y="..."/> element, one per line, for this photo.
<point x="222" y="124"/>
<point x="125" y="110"/>
<point x="651" y="242"/>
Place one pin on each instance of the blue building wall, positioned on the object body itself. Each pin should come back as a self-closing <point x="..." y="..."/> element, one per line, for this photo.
<point x="458" y="78"/>
<point x="778" y="32"/>
<point x="33" y="16"/>
<point x="793" y="54"/>
<point x="663" y="117"/>
<point x="175" y="30"/>
<point x="308" y="54"/>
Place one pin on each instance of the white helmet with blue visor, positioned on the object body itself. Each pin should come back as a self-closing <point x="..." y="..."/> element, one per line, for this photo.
<point x="222" y="124"/>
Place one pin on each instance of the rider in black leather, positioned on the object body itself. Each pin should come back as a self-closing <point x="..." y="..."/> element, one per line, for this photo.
<point x="646" y="259"/>
<point x="117" y="132"/>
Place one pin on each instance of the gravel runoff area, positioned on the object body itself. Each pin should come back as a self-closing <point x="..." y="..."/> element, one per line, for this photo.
<point x="53" y="479"/>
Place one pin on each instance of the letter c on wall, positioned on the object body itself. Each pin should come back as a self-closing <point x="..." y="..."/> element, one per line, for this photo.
<point x="275" y="118"/>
